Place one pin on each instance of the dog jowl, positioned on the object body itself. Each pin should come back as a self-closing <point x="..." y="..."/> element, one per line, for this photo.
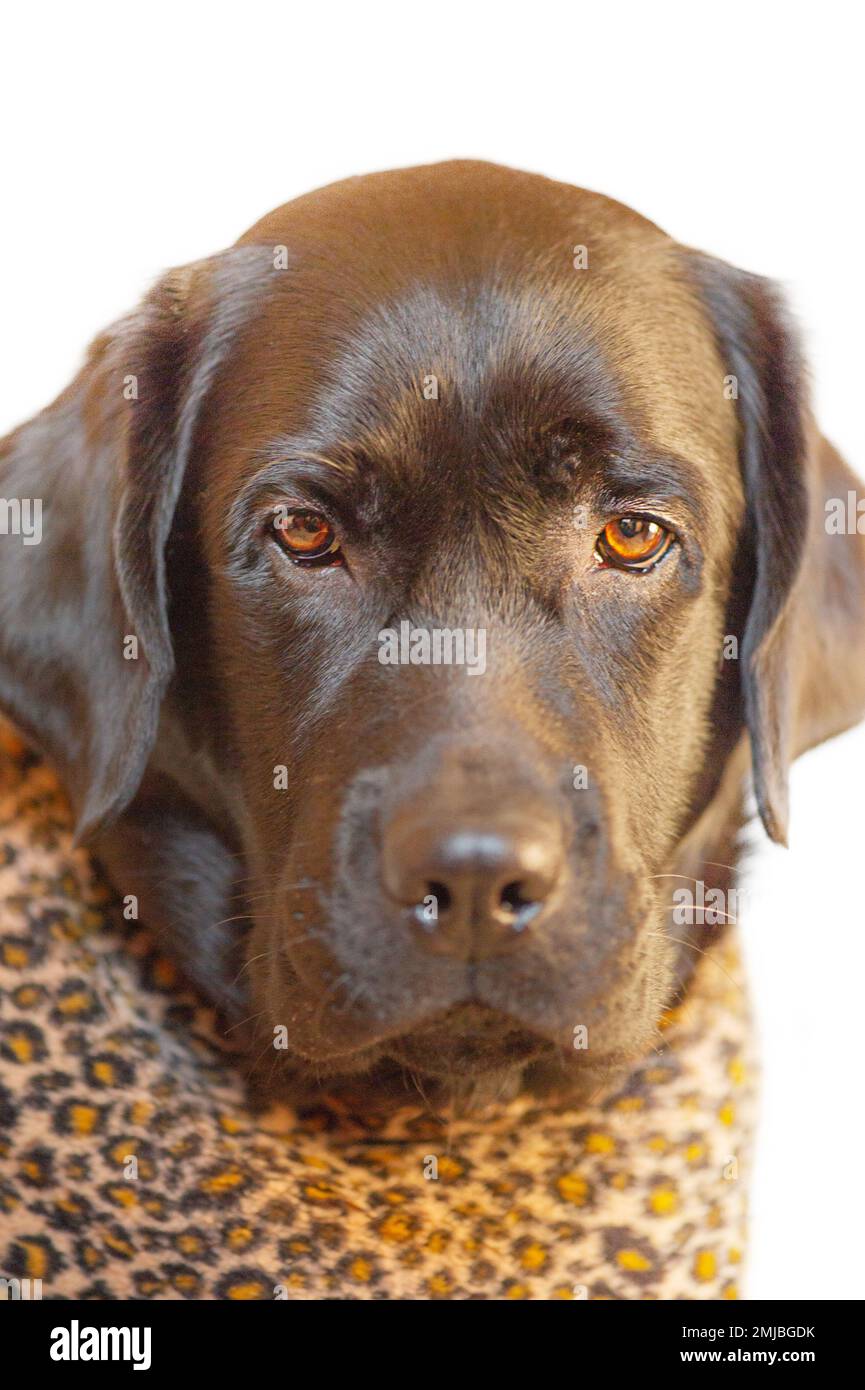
<point x="458" y="859"/>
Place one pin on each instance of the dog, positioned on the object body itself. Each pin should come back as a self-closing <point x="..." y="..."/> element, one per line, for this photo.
<point x="419" y="582"/>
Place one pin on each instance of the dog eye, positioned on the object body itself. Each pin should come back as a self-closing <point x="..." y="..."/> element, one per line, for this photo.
<point x="307" y="536"/>
<point x="633" y="543"/>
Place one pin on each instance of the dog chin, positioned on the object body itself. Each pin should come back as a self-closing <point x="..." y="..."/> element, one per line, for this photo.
<point x="462" y="1060"/>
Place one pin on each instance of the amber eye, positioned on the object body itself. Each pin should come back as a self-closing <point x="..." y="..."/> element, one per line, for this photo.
<point x="633" y="543"/>
<point x="306" y="536"/>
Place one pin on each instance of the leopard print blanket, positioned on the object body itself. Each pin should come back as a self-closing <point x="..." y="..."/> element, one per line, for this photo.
<point x="131" y="1167"/>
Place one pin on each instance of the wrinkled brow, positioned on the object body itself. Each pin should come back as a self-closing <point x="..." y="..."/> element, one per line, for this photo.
<point x="285" y="467"/>
<point x="612" y="458"/>
<point x="639" y="476"/>
<point x="647" y="475"/>
<point x="284" y="464"/>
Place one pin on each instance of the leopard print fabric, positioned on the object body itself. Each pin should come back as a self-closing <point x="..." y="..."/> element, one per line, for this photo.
<point x="130" y="1166"/>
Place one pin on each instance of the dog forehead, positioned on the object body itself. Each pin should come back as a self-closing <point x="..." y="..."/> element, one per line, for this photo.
<point x="427" y="304"/>
<point x="471" y="200"/>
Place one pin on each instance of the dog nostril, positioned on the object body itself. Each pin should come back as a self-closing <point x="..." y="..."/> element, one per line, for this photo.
<point x="516" y="905"/>
<point x="442" y="895"/>
<point x="472" y="888"/>
<point x="436" y="902"/>
<point x="511" y="897"/>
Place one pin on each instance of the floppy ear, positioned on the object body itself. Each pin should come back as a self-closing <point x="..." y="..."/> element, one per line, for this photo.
<point x="802" y="654"/>
<point x="85" y="647"/>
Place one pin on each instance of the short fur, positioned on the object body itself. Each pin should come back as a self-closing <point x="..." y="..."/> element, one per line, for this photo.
<point x="558" y="388"/>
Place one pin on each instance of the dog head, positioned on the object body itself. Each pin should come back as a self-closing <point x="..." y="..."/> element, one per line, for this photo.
<point x="453" y="537"/>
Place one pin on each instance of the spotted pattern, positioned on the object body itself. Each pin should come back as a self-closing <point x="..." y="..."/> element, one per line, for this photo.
<point x="130" y="1165"/>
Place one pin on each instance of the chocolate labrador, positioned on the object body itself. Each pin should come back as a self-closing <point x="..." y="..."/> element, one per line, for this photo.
<point x="416" y="582"/>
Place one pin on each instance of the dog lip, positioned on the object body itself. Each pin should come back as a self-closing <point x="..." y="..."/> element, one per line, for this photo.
<point x="470" y="1011"/>
<point x="467" y="1031"/>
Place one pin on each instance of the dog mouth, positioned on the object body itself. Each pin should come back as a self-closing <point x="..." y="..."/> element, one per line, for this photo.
<point x="468" y="1039"/>
<point x="351" y="987"/>
<point x="463" y="1037"/>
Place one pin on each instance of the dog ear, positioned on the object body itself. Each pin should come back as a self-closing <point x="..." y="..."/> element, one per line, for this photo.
<point x="802" y="655"/>
<point x="85" y="647"/>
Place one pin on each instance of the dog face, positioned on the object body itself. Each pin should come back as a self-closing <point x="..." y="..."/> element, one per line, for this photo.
<point x="444" y="497"/>
<point x="435" y="846"/>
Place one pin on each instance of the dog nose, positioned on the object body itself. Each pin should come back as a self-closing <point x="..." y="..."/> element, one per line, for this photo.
<point x="472" y="890"/>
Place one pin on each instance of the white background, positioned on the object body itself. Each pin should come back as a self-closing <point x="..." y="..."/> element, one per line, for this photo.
<point x="137" y="138"/>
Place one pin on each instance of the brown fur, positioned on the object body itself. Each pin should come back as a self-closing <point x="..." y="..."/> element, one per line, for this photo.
<point x="559" y="388"/>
